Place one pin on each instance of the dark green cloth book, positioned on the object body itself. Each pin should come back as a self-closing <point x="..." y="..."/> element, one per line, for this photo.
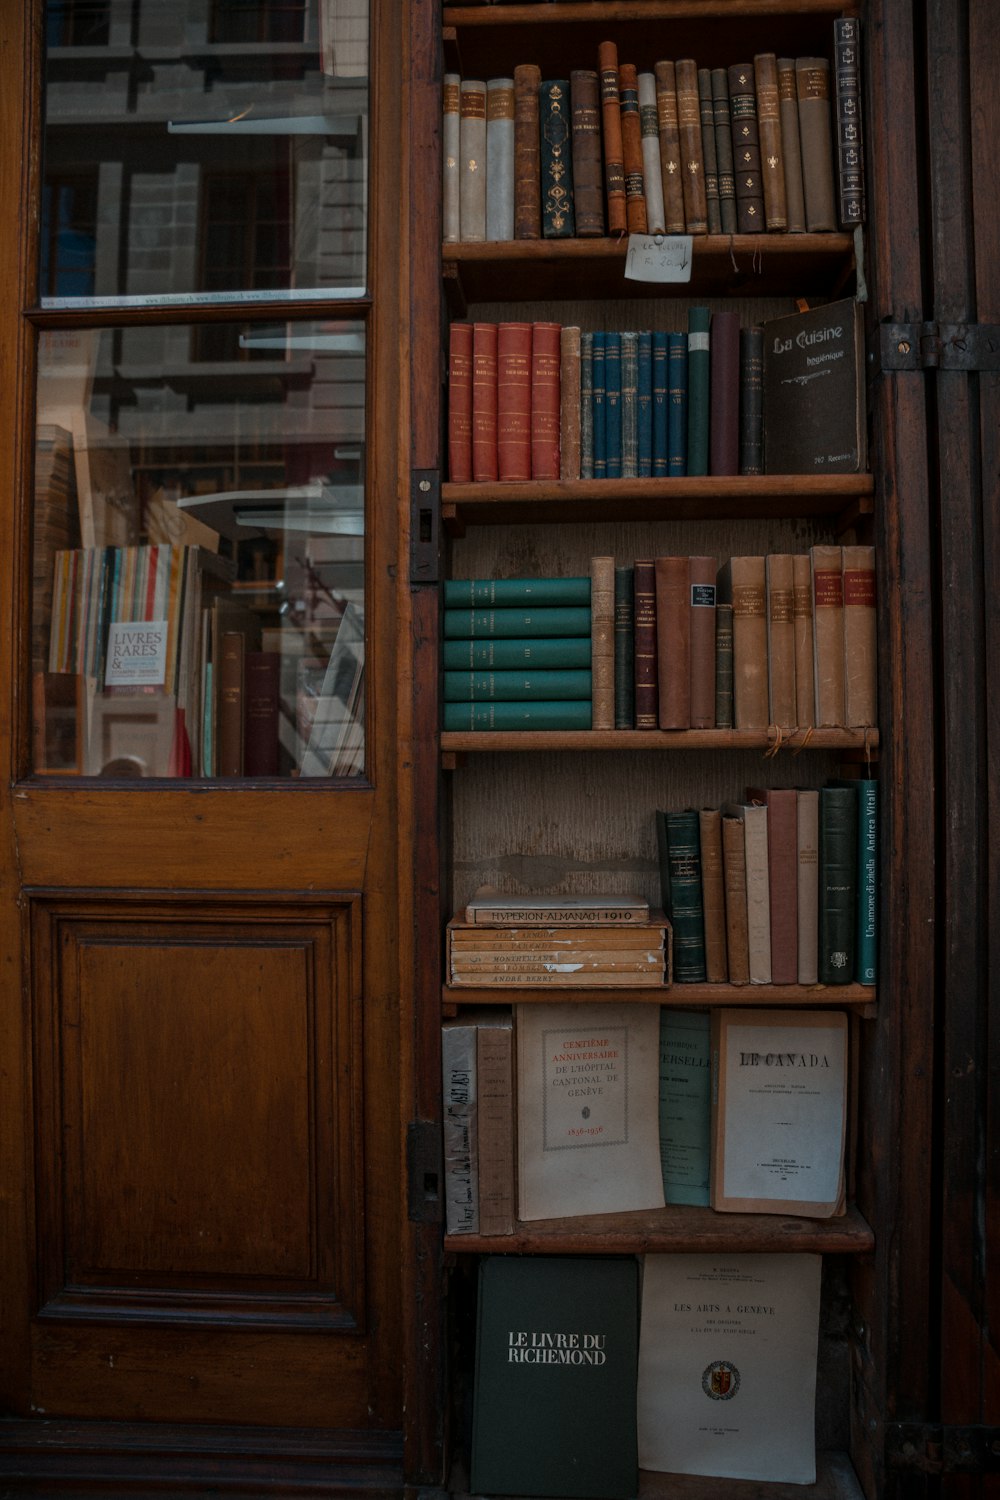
<point x="685" y="1105"/>
<point x="510" y="591"/>
<point x="546" y="620"/>
<point x="554" y="1403"/>
<point x="624" y="648"/>
<point x="838" y="876"/>
<point x="613" y="404"/>
<point x="678" y="841"/>
<point x="866" y="935"/>
<point x="699" y="320"/>
<point x="555" y="121"/>
<point x="677" y="396"/>
<point x="512" y="686"/>
<point x="547" y="713"/>
<point x="506" y="655"/>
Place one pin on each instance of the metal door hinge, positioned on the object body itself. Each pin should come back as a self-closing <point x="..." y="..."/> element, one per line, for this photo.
<point x="936" y="1449"/>
<point x="935" y="346"/>
<point x="425" y="526"/>
<point x="423" y="1172"/>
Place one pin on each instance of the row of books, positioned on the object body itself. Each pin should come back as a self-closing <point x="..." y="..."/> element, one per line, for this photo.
<point x="679" y="149"/>
<point x="541" y="401"/>
<point x="781" y="888"/>
<point x="633" y="956"/>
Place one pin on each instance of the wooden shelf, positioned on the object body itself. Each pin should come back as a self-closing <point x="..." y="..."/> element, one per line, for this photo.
<point x="484" y="741"/>
<point x="855" y="996"/>
<point x="675" y="1228"/>
<point x="573" y="12"/>
<point x="835" y="1480"/>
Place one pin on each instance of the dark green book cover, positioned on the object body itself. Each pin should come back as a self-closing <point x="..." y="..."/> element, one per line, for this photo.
<point x="838" y="875"/>
<point x="678" y="838"/>
<point x="556" y="129"/>
<point x="555" y="1386"/>
<point x="512" y="686"/>
<point x="569" y="713"/>
<point x="498" y="653"/>
<point x="514" y="591"/>
<point x="866" y="932"/>
<point x="573" y="619"/>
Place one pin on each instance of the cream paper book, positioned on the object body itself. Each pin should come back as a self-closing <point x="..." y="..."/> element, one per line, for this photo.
<point x="727" y="1366"/>
<point x="587" y="1109"/>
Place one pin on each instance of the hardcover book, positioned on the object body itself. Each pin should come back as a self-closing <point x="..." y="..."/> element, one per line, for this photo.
<point x="742" y="585"/>
<point x="556" y="127"/>
<point x="635" y="195"/>
<point x="450" y="153"/>
<point x="527" y="153"/>
<point x="685" y="1105"/>
<point x="472" y="167"/>
<point x="772" y="168"/>
<point x="588" y="177"/>
<point x="828" y="634"/>
<point x="546" y="360"/>
<point x="493" y="909"/>
<point x="724" y="150"/>
<point x="692" y="159"/>
<point x="699" y="320"/>
<point x="860" y="646"/>
<point x="709" y="151"/>
<point x="753" y="817"/>
<point x="458" y="1126"/>
<point x="495" y="1121"/>
<point x="614" y="158"/>
<point x="514" y="400"/>
<point x="602" y="641"/>
<point x="670" y="150"/>
<point x="814" y="399"/>
<point x="678" y="843"/>
<point x="850" y="143"/>
<point x="746" y="149"/>
<point x="460" y="403"/>
<point x="782" y="878"/>
<point x="838" y="875"/>
<point x="812" y="83"/>
<point x="652" y="177"/>
<point x="788" y="109"/>
<point x="500" y="159"/>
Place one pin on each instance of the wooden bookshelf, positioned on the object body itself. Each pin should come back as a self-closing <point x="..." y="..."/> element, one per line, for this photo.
<point x="859" y="998"/>
<point x="835" y="1480"/>
<point x="861" y="742"/>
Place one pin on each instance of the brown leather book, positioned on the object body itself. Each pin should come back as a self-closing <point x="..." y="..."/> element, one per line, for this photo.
<point x="713" y="895"/>
<point x="812" y="83"/>
<point x="611" y="116"/>
<point x="692" y="162"/>
<point x="802" y="619"/>
<point x="229" y="699"/>
<point x="788" y="112"/>
<point x="588" y="173"/>
<point x="261" y="711"/>
<point x="746" y="150"/>
<point x="772" y="166"/>
<point x="709" y="151"/>
<point x="671" y="169"/>
<point x="569" y="402"/>
<point x="860" y="697"/>
<point x="734" y="872"/>
<point x="807" y="801"/>
<point x="673" y="641"/>
<point x="514" y="400"/>
<point x="484" y="402"/>
<point x="646" y="694"/>
<point x="741" y="583"/>
<point x="783" y="879"/>
<point x="527" y="154"/>
<point x="724" y="384"/>
<point x="602" y="641"/>
<point x="635" y="192"/>
<point x="828" y="635"/>
<point x="546" y="357"/>
<point x="703" y="571"/>
<point x="779" y="572"/>
<point x="472" y="168"/>
<point x="460" y="403"/>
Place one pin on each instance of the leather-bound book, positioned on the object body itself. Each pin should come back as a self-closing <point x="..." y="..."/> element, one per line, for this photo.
<point x="772" y="165"/>
<point x="624" y="648"/>
<point x="500" y="159"/>
<point x="706" y="109"/>
<point x="586" y="405"/>
<point x="611" y="118"/>
<point x="724" y="150"/>
<point x="261" y="709"/>
<point x="602" y="641"/>
<point x="838" y="875"/>
<point x="828" y="635"/>
<point x="635" y="194"/>
<point x="651" y="176"/>
<point x="556" y="130"/>
<point x="644" y="595"/>
<point x="598" y="403"/>
<point x="754" y="818"/>
<point x="630" y="404"/>
<point x="807" y="895"/>
<point x="671" y="167"/>
<point x="781" y="639"/>
<point x="850" y="144"/>
<point x="546" y="358"/>
<point x="812" y="83"/>
<point x="514" y="401"/>
<point x="644" y="404"/>
<point x="751" y="400"/>
<point x="692" y="161"/>
<point x="527" y="154"/>
<point x="860" y="697"/>
<point x="661" y="405"/>
<point x="741" y="584"/>
<point x="702" y="598"/>
<point x="788" y="113"/>
<point x="679" y="852"/>
<point x="724" y="418"/>
<point x="713" y="896"/>
<point x="569" y="403"/>
<point x="472" y="165"/>
<point x="460" y="403"/>
<point x="746" y="150"/>
<point x="698" y="356"/>
<point x="814" y="391"/>
<point x="451" y="224"/>
<point x="783" y="879"/>
<point x="588" y="174"/>
<point x="723" y="663"/>
<point x="484" y="402"/>
<point x="613" y="403"/>
<point x="230" y="671"/>
<point x="677" y="408"/>
<point x="734" y="873"/>
<point x="802" y="617"/>
<point x="673" y="642"/>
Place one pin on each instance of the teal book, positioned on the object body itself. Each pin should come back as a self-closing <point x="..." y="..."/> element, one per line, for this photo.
<point x="545" y="620"/>
<point x="613" y="404"/>
<point x="866" y="934"/>
<point x="838" y="875"/>
<point x="678" y="838"/>
<point x="510" y="591"/>
<point x="685" y="1105"/>
<point x="598" y="366"/>
<point x="660" y="407"/>
<point x="512" y="686"/>
<point x="586" y="406"/>
<point x="699" y="319"/>
<point x="630" y="404"/>
<point x="554" y="1396"/>
<point x="624" y="648"/>
<point x="492" y="653"/>
<point x="677" y="408"/>
<point x="644" y="406"/>
<point x="545" y="714"/>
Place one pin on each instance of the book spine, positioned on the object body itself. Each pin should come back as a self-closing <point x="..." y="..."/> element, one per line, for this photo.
<point x="651" y="176"/>
<point x="630" y="404"/>
<point x="484" y="402"/>
<point x="724" y="149"/>
<point x="772" y="165"/>
<point x="607" y="944"/>
<point x="779" y="572"/>
<point x="724" y="413"/>
<point x="515" y="686"/>
<point x="644" y="404"/>
<point x="746" y="149"/>
<point x="723" y="664"/>
<point x="673" y="641"/>
<point x="514" y="401"/>
<point x="489" y="653"/>
<point x="677" y="403"/>
<point x="472" y="168"/>
<point x="635" y="195"/>
<point x="828" y="635"/>
<point x="742" y="585"/>
<point x="545" y="400"/>
<point x="685" y="1106"/>
<point x="588" y="176"/>
<point x="586" y="406"/>
<point x="805" y="710"/>
<point x="706" y="110"/>
<point x="661" y="406"/>
<point x="602" y="612"/>
<point x="702" y="618"/>
<point x="230" y="701"/>
<point x="689" y="129"/>
<point x="556" y="127"/>
<point x="758" y="894"/>
<point x="605" y="916"/>
<point x="460" y="403"/>
<point x="451" y="224"/>
<point x="624" y="648"/>
<point x="783" y="883"/>
<point x="598" y="404"/>
<point x="611" y="118"/>
<point x="671" y="171"/>
<point x="613" y="403"/>
<point x="850" y="145"/>
<point x="646" y="705"/>
<point x="495" y="1121"/>
<point x="713" y="896"/>
<point x="483" y="968"/>
<point x="812" y="83"/>
<point x="735" y="875"/>
<point x="500" y="159"/>
<point x="687" y="915"/>
<point x="807" y="892"/>
<point x="527" y="154"/>
<point x="751" y="400"/>
<point x="507" y="592"/>
<point x="860" y="688"/>
<point x="838" y="872"/>
<point x="262" y="704"/>
<point x="699" y="319"/>
<point x="544" y="714"/>
<point x="788" y="110"/>
<point x="569" y="403"/>
<point x="866" y="962"/>
<point x="468" y="624"/>
<point x="458" y="1129"/>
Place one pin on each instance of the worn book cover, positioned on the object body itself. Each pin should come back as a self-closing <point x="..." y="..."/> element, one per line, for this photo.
<point x="727" y="1366"/>
<point x="555" y="1385"/>
<point x="685" y="1105"/>
<point x="814" y="399"/>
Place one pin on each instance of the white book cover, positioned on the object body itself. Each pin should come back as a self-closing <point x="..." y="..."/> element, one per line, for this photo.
<point x="587" y="1109"/>
<point x="727" y="1366"/>
<point x="754" y="819"/>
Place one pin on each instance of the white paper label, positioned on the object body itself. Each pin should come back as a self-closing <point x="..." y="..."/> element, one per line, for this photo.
<point x="658" y="257"/>
<point x="137" y="653"/>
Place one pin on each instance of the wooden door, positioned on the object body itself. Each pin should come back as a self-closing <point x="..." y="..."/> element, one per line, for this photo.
<point x="199" y="1118"/>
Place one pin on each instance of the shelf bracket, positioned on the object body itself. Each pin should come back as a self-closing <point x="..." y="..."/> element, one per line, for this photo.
<point x="425" y="526"/>
<point x="970" y="347"/>
<point x="932" y="1448"/>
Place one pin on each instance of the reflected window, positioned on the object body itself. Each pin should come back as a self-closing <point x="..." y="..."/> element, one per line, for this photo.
<point x="77" y="23"/>
<point x="263" y="21"/>
<point x="68" y="236"/>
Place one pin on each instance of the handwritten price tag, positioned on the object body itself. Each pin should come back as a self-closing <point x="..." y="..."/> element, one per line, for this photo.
<point x="658" y="257"/>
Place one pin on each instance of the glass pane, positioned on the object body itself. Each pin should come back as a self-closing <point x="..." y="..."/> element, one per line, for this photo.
<point x="199" y="603"/>
<point x="214" y="147"/>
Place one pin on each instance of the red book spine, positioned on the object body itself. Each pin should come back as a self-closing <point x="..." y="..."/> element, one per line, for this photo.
<point x="546" y="359"/>
<point x="484" y="402"/>
<point x="724" y="414"/>
<point x="514" y="372"/>
<point x="460" y="403"/>
<point x="673" y="640"/>
<point x="644" y="592"/>
<point x="261" y="712"/>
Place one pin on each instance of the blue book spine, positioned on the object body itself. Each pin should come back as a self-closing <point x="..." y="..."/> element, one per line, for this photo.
<point x="677" y="419"/>
<point x="660" y="405"/>
<point x="698" y="377"/>
<point x="630" y="405"/>
<point x="599" y="407"/>
<point x="513" y="716"/>
<point x="685" y="1105"/>
<point x="514" y="591"/>
<point x="613" y="404"/>
<point x="644" y="405"/>
<point x="586" y="406"/>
